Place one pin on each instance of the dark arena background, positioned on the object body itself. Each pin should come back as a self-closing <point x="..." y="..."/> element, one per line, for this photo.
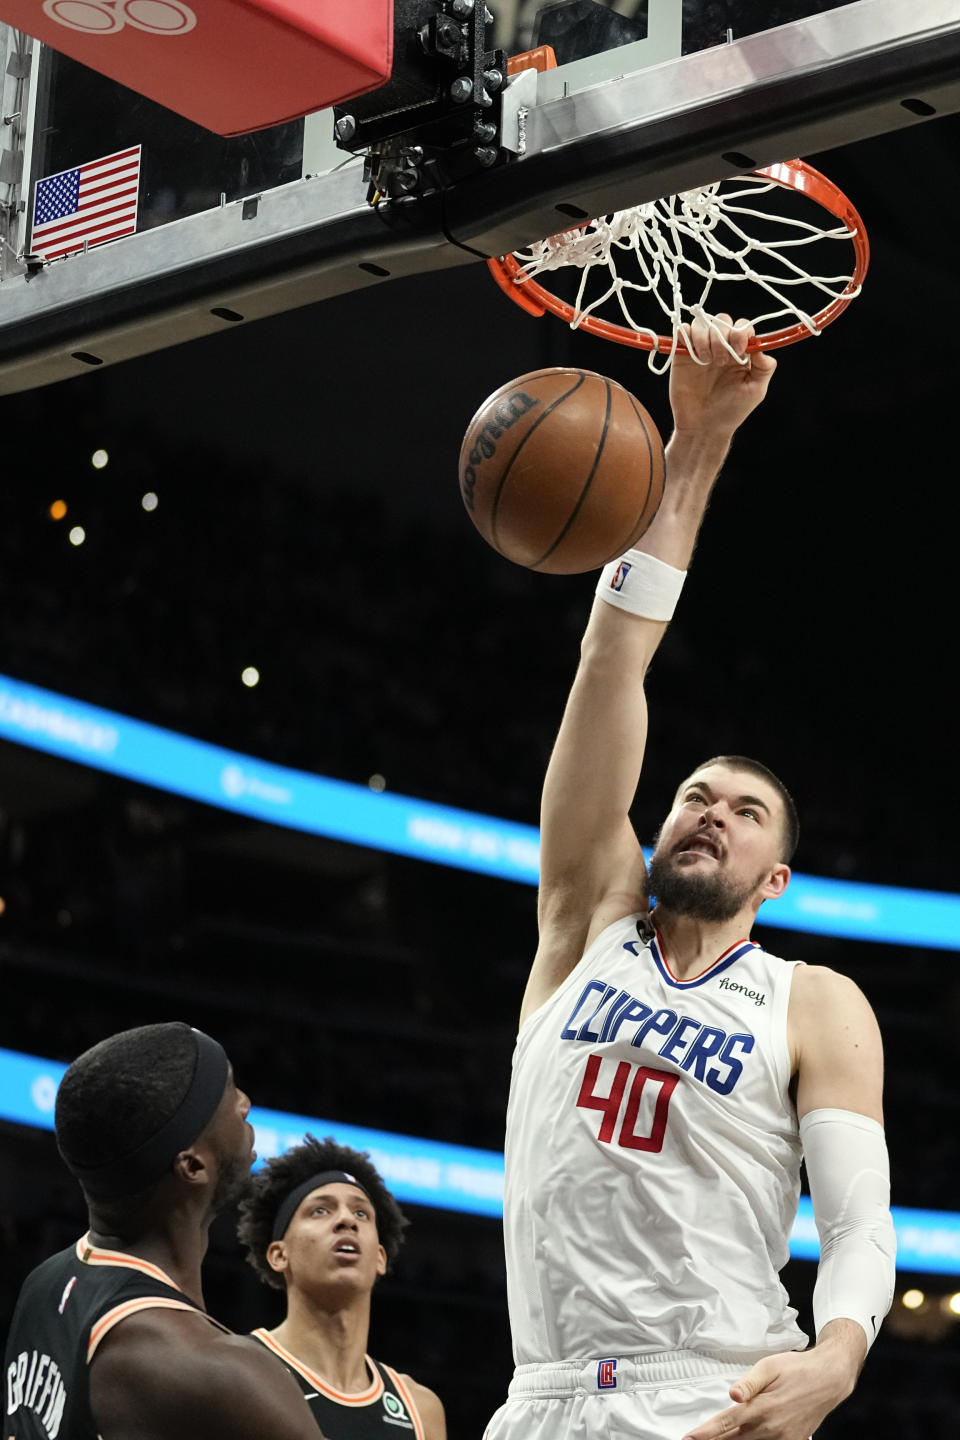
<point x="282" y="499"/>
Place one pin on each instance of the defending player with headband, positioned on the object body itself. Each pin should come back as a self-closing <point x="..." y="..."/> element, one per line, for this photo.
<point x="670" y="1076"/>
<point x="319" y="1223"/>
<point x="110" y="1338"/>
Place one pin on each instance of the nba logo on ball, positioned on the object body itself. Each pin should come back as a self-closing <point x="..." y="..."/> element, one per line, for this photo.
<point x="606" y="1374"/>
<point x="622" y="571"/>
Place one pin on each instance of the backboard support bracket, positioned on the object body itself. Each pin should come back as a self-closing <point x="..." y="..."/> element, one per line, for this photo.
<point x="835" y="78"/>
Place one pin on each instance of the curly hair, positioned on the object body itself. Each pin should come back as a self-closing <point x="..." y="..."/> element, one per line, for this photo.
<point x="268" y="1189"/>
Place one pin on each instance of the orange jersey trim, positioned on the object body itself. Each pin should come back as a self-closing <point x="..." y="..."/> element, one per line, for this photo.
<point x="91" y="1255"/>
<point x="120" y="1312"/>
<point x="365" y="1397"/>
<point x="411" y="1405"/>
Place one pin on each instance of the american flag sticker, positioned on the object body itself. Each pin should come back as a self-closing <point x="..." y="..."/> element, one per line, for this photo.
<point x="88" y="205"/>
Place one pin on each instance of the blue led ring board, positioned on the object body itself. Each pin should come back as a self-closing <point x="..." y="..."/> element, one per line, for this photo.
<point x="456" y="1177"/>
<point x="439" y="834"/>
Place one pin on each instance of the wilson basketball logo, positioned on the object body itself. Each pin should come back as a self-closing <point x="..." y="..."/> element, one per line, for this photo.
<point x="484" y="445"/>
<point x="107" y="17"/>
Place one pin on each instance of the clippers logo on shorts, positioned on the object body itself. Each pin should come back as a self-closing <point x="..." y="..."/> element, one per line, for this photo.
<point x="606" y="1374"/>
<point x="395" y="1413"/>
<point x="620" y="575"/>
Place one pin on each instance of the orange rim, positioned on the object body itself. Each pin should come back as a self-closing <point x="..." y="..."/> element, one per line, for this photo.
<point x="797" y="175"/>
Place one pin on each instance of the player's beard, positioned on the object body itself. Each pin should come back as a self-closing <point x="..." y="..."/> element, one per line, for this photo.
<point x="696" y="895"/>
<point x="231" y="1182"/>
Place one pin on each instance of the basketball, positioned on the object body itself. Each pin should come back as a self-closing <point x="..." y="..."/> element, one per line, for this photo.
<point x="561" y="470"/>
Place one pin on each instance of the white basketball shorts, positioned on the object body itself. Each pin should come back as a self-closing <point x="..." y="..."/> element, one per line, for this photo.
<point x="655" y="1397"/>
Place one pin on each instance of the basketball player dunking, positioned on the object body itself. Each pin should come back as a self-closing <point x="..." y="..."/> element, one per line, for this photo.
<point x="319" y="1223"/>
<point x="110" y="1338"/>
<point x="669" y="1075"/>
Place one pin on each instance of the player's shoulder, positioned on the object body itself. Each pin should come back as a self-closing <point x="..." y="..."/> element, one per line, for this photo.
<point x="192" y="1350"/>
<point x="42" y="1289"/>
<point x="821" y="996"/>
<point x="50" y="1269"/>
<point x="821" y="982"/>
<point x="429" y="1405"/>
<point x="188" y="1373"/>
<point x="156" y="1328"/>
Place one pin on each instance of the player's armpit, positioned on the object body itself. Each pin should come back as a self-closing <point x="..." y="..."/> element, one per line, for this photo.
<point x="835" y="1044"/>
<point x="171" y="1375"/>
<point x="567" y="930"/>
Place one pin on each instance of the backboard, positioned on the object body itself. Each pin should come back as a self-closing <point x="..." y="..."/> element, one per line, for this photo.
<point x="646" y="99"/>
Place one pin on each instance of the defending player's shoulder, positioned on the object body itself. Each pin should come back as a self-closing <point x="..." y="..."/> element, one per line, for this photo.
<point x="835" y="1043"/>
<point x="172" y="1375"/>
<point x="430" y="1407"/>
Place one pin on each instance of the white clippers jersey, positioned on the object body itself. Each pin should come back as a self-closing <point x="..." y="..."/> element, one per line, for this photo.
<point x="653" y="1159"/>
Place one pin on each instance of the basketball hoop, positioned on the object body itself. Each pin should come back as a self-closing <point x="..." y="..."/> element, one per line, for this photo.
<point x="700" y="239"/>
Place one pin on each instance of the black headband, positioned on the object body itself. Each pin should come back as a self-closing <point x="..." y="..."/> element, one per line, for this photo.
<point x="150" y="1161"/>
<point x="287" y="1210"/>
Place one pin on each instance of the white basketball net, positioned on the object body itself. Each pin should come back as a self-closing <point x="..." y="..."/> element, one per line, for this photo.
<point x="697" y="239"/>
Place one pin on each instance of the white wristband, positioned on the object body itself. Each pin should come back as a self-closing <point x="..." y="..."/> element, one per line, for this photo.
<point x="642" y="584"/>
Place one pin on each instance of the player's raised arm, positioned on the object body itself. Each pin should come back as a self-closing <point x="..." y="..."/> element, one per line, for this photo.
<point x="592" y="870"/>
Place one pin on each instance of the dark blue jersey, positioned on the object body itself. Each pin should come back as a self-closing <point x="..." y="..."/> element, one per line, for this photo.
<point x="66" y="1307"/>
<point x="384" y="1411"/>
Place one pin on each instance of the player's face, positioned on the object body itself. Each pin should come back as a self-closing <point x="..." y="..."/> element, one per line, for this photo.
<point x="332" y="1241"/>
<point x="718" y="851"/>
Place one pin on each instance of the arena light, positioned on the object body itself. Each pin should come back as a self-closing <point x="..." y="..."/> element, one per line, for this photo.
<point x="404" y="825"/>
<point x="57" y="510"/>
<point x="912" y="1299"/>
<point x="77" y="535"/>
<point x="150" y="501"/>
<point x="99" y="459"/>
<point x="953" y="1304"/>
<point x="250" y="676"/>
